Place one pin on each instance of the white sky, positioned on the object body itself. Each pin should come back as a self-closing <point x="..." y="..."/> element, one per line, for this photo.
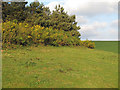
<point x="98" y="19"/>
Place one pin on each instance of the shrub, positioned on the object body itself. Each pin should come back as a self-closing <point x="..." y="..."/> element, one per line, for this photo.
<point x="14" y="33"/>
<point x="88" y="43"/>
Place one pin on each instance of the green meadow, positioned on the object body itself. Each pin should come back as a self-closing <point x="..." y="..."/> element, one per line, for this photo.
<point x="61" y="67"/>
<point x="110" y="46"/>
<point x="42" y="49"/>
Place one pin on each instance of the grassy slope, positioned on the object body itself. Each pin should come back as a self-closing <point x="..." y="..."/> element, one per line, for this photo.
<point x="111" y="46"/>
<point x="62" y="67"/>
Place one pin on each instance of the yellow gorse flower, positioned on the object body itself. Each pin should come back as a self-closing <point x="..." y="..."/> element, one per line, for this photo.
<point x="29" y="36"/>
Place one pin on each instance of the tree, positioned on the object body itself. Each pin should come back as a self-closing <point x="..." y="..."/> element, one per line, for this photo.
<point x="61" y="20"/>
<point x="14" y="10"/>
<point x="38" y="14"/>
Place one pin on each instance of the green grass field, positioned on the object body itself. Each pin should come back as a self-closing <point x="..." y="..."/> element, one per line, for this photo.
<point x="60" y="67"/>
<point x="111" y="46"/>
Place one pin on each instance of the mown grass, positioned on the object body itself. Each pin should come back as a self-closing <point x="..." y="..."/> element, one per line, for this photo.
<point x="111" y="46"/>
<point x="59" y="67"/>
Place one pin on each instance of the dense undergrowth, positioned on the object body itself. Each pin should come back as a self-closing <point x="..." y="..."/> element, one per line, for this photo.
<point x="26" y="25"/>
<point x="23" y="34"/>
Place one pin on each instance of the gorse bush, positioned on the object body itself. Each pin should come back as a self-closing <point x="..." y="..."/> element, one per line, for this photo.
<point x="36" y="24"/>
<point x="14" y="33"/>
<point x="88" y="43"/>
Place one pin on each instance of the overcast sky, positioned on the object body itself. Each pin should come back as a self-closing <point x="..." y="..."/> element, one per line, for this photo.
<point x="98" y="19"/>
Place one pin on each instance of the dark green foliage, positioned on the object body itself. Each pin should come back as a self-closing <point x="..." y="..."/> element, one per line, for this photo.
<point x="37" y="14"/>
<point x="61" y="20"/>
<point x="14" y="10"/>
<point x="35" y="24"/>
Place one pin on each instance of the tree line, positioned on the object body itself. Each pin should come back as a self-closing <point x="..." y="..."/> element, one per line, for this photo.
<point x="38" y="14"/>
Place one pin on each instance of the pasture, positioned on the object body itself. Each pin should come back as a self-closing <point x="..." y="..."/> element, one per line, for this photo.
<point x="110" y="46"/>
<point x="60" y="67"/>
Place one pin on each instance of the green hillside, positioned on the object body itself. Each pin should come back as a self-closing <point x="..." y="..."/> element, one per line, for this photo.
<point x="111" y="46"/>
<point x="59" y="67"/>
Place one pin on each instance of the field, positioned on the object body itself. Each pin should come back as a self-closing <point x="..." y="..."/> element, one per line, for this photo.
<point x="61" y="67"/>
<point x="111" y="46"/>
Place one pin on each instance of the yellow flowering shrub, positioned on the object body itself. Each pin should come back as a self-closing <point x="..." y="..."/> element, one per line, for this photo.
<point x="88" y="43"/>
<point x="23" y="34"/>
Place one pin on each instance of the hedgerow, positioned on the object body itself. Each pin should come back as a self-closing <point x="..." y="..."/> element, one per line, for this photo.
<point x="14" y="33"/>
<point x="25" y="25"/>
